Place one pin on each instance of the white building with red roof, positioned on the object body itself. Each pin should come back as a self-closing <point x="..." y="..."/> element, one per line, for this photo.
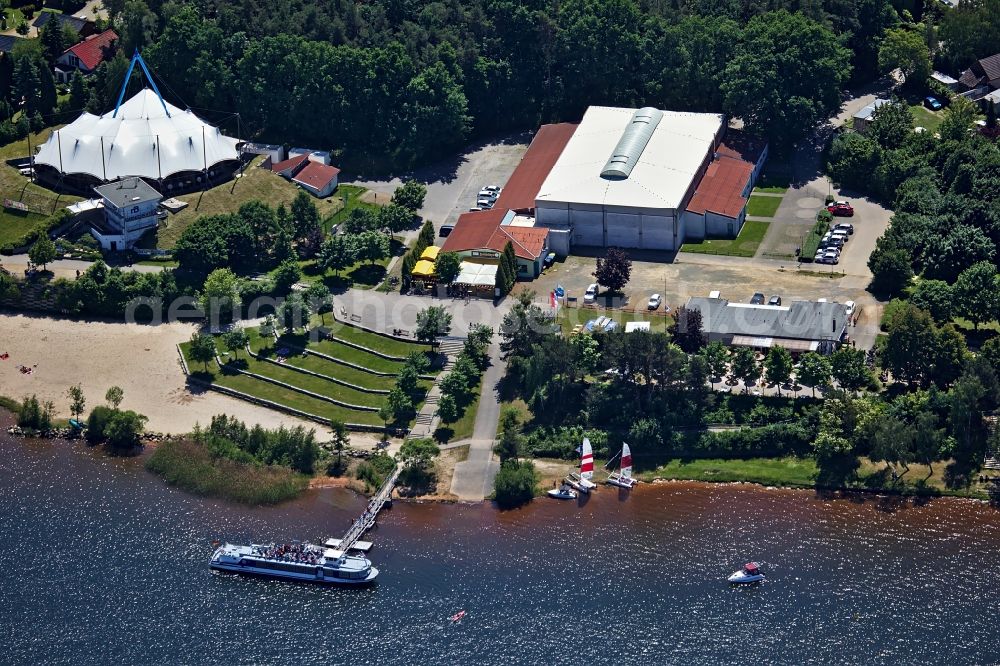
<point x="85" y="56"/>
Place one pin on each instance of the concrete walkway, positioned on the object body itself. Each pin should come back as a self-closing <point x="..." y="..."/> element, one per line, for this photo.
<point x="473" y="478"/>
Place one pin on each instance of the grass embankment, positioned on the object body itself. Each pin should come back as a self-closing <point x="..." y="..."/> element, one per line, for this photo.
<point x="15" y="186"/>
<point x="256" y="184"/>
<point x="14" y="225"/>
<point x="744" y="245"/>
<point x="763" y="206"/>
<point x="790" y="471"/>
<point x="466" y="423"/>
<point x="189" y="466"/>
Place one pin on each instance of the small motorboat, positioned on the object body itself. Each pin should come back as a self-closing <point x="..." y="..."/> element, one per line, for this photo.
<point x="563" y="492"/>
<point x="750" y="573"/>
<point x="457" y="617"/>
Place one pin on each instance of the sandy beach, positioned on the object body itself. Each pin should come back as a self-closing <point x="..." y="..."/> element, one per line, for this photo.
<point x="142" y="360"/>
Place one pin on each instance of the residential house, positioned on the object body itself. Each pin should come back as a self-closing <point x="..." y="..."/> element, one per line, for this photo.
<point x="319" y="179"/>
<point x="86" y="55"/>
<point x="290" y="167"/>
<point x="130" y="210"/>
<point x="864" y="117"/>
<point x="984" y="73"/>
<point x="7" y="42"/>
<point x="83" y="27"/>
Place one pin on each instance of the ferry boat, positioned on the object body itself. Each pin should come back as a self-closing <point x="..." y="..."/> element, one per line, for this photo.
<point x="295" y="561"/>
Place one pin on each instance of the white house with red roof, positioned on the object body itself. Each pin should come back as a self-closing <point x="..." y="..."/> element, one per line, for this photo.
<point x="87" y="55"/>
<point x="483" y="235"/>
<point x="316" y="178"/>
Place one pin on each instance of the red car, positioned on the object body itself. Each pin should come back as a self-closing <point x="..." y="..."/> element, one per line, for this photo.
<point x="841" y="209"/>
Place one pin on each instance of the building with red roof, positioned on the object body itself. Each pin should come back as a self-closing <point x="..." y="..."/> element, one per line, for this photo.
<point x="522" y="187"/>
<point x="320" y="180"/>
<point x="88" y="54"/>
<point x="290" y="167"/>
<point x="483" y="235"/>
<point x="717" y="208"/>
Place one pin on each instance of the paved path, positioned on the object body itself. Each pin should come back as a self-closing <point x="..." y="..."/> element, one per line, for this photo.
<point x="473" y="478"/>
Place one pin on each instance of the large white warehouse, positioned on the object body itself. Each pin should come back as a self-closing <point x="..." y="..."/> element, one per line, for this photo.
<point x="626" y="176"/>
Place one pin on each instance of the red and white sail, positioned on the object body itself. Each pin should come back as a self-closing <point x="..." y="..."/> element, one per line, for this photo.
<point x="587" y="463"/>
<point x="626" y="461"/>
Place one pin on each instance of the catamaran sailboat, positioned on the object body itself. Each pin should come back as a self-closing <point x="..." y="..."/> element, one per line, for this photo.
<point x="623" y="477"/>
<point x="584" y="480"/>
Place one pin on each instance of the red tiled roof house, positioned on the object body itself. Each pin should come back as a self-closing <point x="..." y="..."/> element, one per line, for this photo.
<point x="482" y="236"/>
<point x="88" y="54"/>
<point x="319" y="179"/>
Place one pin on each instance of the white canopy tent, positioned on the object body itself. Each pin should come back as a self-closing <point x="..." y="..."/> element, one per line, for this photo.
<point x="146" y="137"/>
<point x="476" y="275"/>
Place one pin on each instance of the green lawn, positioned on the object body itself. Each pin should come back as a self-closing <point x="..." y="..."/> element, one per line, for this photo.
<point x="790" y="471"/>
<point x="268" y="391"/>
<point x="762" y="206"/>
<point x="14" y="224"/>
<point x="348" y="198"/>
<point x="744" y="245"/>
<point x="924" y="117"/>
<point x="380" y="343"/>
<point x="361" y="275"/>
<point x="570" y="317"/>
<point x="356" y="356"/>
<point x="15" y="186"/>
<point x="771" y="189"/>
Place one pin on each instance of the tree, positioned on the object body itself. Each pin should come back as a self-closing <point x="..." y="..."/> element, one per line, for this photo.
<point x="340" y="440"/>
<point x="522" y="327"/>
<point x="410" y="195"/>
<point x="686" y="329"/>
<point x="936" y="297"/>
<point x="977" y="293"/>
<point x="509" y="439"/>
<point x="399" y="403"/>
<point x="717" y="356"/>
<point x="407" y="380"/>
<point x="53" y="41"/>
<point x="850" y="369"/>
<point x="786" y="75"/>
<point x="910" y="345"/>
<point x="114" y="396"/>
<point x="137" y="25"/>
<point x="123" y="431"/>
<point x="778" y="366"/>
<point x="906" y="50"/>
<point x="416" y="456"/>
<point x="813" y="370"/>
<point x="891" y="270"/>
<point x="891" y="125"/>
<point x="432" y="322"/>
<point x="447" y="266"/>
<point x="202" y="349"/>
<point x="293" y="312"/>
<point x="448" y="409"/>
<point x="958" y="119"/>
<point x="220" y="294"/>
<point x="235" y="340"/>
<point x="338" y="252"/>
<point x="305" y="216"/>
<point x="372" y="246"/>
<point x="515" y="483"/>
<point x="361" y="220"/>
<point x="614" y="270"/>
<point x="285" y="276"/>
<point x="319" y="299"/>
<point x="507" y="273"/>
<point x="43" y="252"/>
<point x="950" y="355"/>
<point x="394" y="218"/>
<point x="77" y="401"/>
<point x="743" y="361"/>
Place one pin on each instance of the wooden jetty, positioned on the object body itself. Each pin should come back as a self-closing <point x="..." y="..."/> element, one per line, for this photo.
<point x="352" y="540"/>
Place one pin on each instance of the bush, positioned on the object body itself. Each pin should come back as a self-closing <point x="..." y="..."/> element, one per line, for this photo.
<point x="515" y="484"/>
<point x="770" y="441"/>
<point x="97" y="423"/>
<point x="35" y="416"/>
<point x="812" y="241"/>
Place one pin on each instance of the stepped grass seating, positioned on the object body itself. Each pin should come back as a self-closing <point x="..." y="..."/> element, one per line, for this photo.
<point x="284" y="363"/>
<point x="265" y="391"/>
<point x="382" y="344"/>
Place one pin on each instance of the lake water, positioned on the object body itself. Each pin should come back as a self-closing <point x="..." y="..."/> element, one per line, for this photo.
<point x="102" y="564"/>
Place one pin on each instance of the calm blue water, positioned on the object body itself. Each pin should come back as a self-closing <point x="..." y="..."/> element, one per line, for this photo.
<point x="104" y="564"/>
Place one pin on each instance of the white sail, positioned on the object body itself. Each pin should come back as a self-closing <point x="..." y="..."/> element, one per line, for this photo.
<point x="587" y="462"/>
<point x="626" y="461"/>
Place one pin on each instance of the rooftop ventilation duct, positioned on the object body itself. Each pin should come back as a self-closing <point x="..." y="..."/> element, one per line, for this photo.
<point x="634" y="139"/>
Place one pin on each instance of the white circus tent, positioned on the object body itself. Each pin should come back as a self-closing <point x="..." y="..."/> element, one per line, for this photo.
<point x="144" y="136"/>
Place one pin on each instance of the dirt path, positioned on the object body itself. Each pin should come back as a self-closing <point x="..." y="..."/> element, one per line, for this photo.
<point x="140" y="359"/>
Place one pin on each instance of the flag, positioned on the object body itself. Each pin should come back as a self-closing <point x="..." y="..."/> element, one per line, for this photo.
<point x="553" y="301"/>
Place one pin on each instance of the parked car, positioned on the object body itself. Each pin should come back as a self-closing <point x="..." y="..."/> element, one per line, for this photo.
<point x="832" y="241"/>
<point x="591" y="294"/>
<point x="840" y="233"/>
<point x="549" y="258"/>
<point x="484" y="204"/>
<point x="757" y="299"/>
<point x="654" y="302"/>
<point x="932" y="103"/>
<point x="841" y="209"/>
<point x="774" y="300"/>
<point x="831" y="257"/>
<point x="445" y="230"/>
<point x="496" y="189"/>
<point x="851" y="307"/>
<point x="487" y="194"/>
<point x="844" y="226"/>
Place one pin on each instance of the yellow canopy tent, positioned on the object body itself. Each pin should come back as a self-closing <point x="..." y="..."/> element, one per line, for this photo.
<point x="431" y="253"/>
<point x="423" y="269"/>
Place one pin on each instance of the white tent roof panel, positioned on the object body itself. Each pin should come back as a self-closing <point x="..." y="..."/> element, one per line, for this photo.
<point x="131" y="140"/>
<point x="477" y="275"/>
<point x="663" y="172"/>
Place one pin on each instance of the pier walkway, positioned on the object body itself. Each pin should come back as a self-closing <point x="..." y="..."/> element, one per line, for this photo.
<point x="367" y="519"/>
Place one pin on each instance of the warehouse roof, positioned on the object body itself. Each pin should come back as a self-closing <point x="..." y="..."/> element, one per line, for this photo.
<point x="721" y="189"/>
<point x="802" y="320"/>
<point x="662" y="172"/>
<point x="522" y="187"/>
